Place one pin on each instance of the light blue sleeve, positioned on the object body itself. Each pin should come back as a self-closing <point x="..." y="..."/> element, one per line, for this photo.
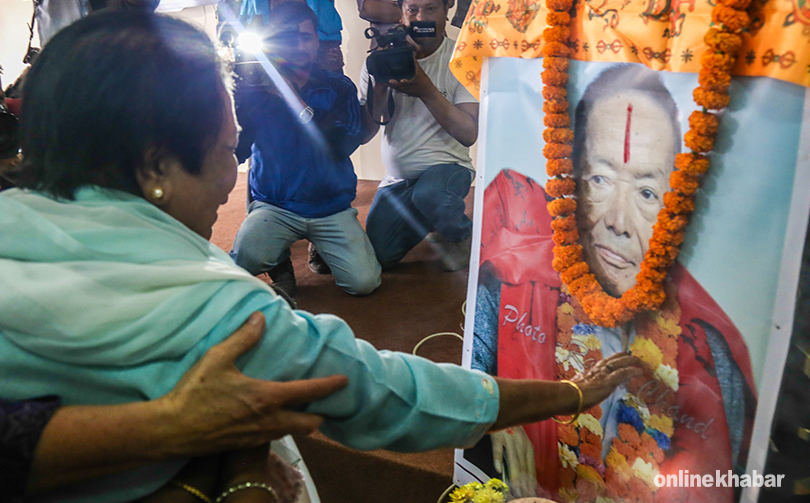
<point x="393" y="401"/>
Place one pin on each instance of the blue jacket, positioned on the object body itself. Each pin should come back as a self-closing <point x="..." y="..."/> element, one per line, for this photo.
<point x="289" y="168"/>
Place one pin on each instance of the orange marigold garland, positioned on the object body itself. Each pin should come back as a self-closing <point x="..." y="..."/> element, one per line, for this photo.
<point x="723" y="41"/>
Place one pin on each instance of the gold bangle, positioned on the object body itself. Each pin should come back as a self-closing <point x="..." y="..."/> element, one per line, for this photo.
<point x="193" y="490"/>
<point x="246" y="485"/>
<point x="579" y="408"/>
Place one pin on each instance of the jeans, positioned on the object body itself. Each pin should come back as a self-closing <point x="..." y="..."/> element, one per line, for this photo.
<point x="264" y="240"/>
<point x="404" y="213"/>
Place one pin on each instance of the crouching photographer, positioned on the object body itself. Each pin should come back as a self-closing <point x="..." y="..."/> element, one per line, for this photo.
<point x="430" y="122"/>
<point x="299" y="131"/>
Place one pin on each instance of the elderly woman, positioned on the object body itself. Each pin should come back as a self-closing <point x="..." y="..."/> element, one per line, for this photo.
<point x="107" y="278"/>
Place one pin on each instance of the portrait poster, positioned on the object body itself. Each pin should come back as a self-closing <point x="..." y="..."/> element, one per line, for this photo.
<point x="720" y="339"/>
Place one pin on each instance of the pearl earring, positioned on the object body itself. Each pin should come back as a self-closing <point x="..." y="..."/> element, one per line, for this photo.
<point x="157" y="194"/>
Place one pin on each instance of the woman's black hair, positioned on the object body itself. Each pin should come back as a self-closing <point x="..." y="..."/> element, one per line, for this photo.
<point x="110" y="88"/>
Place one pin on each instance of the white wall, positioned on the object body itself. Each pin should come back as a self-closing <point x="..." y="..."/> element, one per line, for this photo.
<point x="14" y="16"/>
<point x="367" y="160"/>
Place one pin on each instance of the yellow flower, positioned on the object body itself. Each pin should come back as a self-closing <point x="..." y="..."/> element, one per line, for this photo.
<point x="463" y="494"/>
<point x="662" y="424"/>
<point x="647" y="351"/>
<point x="670" y="325"/>
<point x="589" y="473"/>
<point x="488" y="495"/>
<point x="602" y="499"/>
<point x="668" y="376"/>
<point x="590" y="422"/>
<point x="616" y="460"/>
<point x="645" y="471"/>
<point x="569" y="495"/>
<point x="498" y="485"/>
<point x="567" y="456"/>
<point x="590" y="341"/>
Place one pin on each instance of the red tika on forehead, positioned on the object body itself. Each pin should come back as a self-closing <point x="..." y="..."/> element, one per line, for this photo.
<point x="627" y="134"/>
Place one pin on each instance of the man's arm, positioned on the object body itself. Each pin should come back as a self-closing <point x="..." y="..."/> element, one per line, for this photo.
<point x="213" y="408"/>
<point x="460" y="121"/>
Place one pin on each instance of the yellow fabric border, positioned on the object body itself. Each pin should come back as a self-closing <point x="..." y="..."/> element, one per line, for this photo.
<point x="662" y="34"/>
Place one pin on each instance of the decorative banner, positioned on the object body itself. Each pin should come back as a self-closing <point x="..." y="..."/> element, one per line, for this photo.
<point x="716" y="348"/>
<point x="662" y="34"/>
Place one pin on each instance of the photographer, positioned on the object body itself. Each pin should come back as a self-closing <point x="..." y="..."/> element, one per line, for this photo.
<point x="301" y="181"/>
<point x="425" y="148"/>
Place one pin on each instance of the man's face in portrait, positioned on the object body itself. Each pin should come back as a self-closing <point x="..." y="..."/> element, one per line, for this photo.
<point x="629" y="152"/>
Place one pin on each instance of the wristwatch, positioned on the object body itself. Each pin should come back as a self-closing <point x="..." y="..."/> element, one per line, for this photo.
<point x="305" y="115"/>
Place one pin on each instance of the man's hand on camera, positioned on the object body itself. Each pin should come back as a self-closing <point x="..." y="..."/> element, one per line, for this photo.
<point x="417" y="87"/>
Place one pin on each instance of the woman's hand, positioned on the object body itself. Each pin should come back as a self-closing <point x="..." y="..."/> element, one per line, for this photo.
<point x="604" y="377"/>
<point x="529" y="401"/>
<point x="520" y="473"/>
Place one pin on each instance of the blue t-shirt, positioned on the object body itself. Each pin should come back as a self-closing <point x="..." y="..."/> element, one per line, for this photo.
<point x="311" y="177"/>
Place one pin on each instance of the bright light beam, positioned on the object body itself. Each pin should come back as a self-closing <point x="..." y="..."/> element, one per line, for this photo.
<point x="288" y="94"/>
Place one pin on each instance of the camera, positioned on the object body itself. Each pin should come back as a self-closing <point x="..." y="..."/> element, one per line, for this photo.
<point x="393" y="58"/>
<point x="242" y="49"/>
<point x="9" y="134"/>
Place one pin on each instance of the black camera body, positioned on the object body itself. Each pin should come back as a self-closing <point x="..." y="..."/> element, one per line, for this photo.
<point x="9" y="134"/>
<point x="393" y="58"/>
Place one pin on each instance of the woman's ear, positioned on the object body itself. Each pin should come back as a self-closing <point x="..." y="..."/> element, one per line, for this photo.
<point x="156" y="176"/>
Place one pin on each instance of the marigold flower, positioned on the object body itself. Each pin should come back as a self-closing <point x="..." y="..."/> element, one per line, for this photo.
<point x="559" y="5"/>
<point x="557" y="150"/>
<point x="675" y="223"/>
<point x="565" y="223"/>
<point x="555" y="107"/>
<point x="558" y="187"/>
<point x="720" y="61"/>
<point x="685" y="184"/>
<point x="704" y="123"/>
<point x="698" y="143"/>
<point x="554" y="93"/>
<point x="566" y="237"/>
<point x="723" y="41"/>
<point x="555" y="63"/>
<point x="554" y="78"/>
<point x="735" y="4"/>
<point x="557" y="167"/>
<point x="693" y="164"/>
<point x="710" y="99"/>
<point x="665" y="237"/>
<point x="557" y="120"/>
<point x="733" y="19"/>
<point x="557" y="135"/>
<point x="566" y="256"/>
<point x="562" y="206"/>
<point x="576" y="271"/>
<point x="715" y="80"/>
<point x="556" y="49"/>
<point x="554" y="18"/>
<point x="584" y="285"/>
<point x="556" y="34"/>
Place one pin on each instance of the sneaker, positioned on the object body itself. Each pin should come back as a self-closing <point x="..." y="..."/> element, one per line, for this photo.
<point x="316" y="262"/>
<point x="283" y="276"/>
<point x="455" y="255"/>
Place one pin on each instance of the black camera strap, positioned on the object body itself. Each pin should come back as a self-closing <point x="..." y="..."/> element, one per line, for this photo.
<point x="370" y="103"/>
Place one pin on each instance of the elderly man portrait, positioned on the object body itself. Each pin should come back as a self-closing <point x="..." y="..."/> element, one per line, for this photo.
<point x="425" y="148"/>
<point x="301" y="180"/>
<point x="693" y="413"/>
